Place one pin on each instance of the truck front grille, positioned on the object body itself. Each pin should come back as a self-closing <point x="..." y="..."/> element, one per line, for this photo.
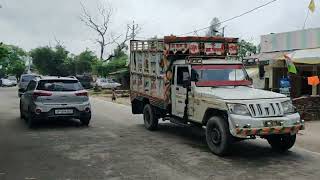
<point x="265" y="110"/>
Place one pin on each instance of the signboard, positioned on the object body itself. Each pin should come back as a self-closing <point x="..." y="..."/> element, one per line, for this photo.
<point x="194" y="48"/>
<point x="303" y="39"/>
<point x="214" y="48"/>
<point x="233" y="49"/>
<point x="218" y="47"/>
<point x="175" y="47"/>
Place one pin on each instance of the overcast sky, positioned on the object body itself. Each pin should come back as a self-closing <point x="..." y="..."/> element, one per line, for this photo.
<point x="33" y="23"/>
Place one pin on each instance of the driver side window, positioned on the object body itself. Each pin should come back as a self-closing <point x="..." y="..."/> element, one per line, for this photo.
<point x="182" y="74"/>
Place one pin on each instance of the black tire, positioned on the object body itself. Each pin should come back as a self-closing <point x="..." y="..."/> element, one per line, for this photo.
<point x="21" y="111"/>
<point x="85" y="121"/>
<point x="30" y="120"/>
<point x="149" y="117"/>
<point x="281" y="142"/>
<point x="218" y="136"/>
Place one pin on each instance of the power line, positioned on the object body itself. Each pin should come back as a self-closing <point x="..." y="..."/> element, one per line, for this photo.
<point x="235" y="17"/>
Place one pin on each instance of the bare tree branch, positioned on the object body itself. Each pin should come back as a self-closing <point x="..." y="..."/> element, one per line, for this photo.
<point x="101" y="29"/>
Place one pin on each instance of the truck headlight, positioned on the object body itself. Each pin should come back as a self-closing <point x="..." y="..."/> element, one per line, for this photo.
<point x="239" y="109"/>
<point x="288" y="107"/>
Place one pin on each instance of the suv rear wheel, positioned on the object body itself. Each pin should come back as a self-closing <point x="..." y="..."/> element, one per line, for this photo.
<point x="85" y="120"/>
<point x="149" y="117"/>
<point x="281" y="142"/>
<point x="218" y="136"/>
<point x="30" y="119"/>
<point x="21" y="111"/>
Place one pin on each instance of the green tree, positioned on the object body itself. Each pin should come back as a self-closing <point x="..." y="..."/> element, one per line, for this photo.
<point x="3" y="59"/>
<point x="246" y="48"/>
<point x="85" y="62"/>
<point x="11" y="60"/>
<point x="51" y="61"/>
<point x="214" y="27"/>
<point x="116" y="63"/>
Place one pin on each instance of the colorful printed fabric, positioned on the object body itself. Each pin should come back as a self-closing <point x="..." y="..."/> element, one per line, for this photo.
<point x="290" y="65"/>
<point x="313" y="80"/>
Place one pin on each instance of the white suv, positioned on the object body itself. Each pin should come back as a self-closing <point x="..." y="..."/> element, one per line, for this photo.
<point x="55" y="98"/>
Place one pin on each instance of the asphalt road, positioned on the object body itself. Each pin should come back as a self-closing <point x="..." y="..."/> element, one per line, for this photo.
<point x="116" y="146"/>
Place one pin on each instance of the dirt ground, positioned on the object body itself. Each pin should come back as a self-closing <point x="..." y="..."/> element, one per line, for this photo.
<point x="310" y="137"/>
<point x="107" y="96"/>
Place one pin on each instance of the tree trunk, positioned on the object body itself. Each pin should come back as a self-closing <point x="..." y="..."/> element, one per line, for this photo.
<point x="102" y="48"/>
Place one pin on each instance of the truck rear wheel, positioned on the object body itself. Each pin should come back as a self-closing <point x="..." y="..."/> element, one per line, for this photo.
<point x="149" y="117"/>
<point x="218" y="136"/>
<point x="281" y="142"/>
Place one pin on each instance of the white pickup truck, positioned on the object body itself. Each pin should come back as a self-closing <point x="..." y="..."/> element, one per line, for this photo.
<point x="198" y="80"/>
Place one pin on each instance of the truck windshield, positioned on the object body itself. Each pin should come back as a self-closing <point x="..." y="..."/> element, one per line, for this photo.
<point x="220" y="75"/>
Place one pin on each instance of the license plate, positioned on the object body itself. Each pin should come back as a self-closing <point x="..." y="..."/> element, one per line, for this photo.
<point x="272" y="123"/>
<point x="63" y="111"/>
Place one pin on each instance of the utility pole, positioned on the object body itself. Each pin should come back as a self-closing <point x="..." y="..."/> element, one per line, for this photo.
<point x="133" y="31"/>
<point x="134" y="28"/>
<point x="223" y="31"/>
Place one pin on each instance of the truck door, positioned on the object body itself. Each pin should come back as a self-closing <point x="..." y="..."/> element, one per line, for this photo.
<point x="178" y="94"/>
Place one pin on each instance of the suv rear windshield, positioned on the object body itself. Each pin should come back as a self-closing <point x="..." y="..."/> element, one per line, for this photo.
<point x="59" y="85"/>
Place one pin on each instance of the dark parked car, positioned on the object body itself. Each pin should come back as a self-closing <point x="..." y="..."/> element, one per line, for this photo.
<point x="85" y="80"/>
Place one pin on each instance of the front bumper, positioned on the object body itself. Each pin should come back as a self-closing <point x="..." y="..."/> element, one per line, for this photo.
<point x="245" y="126"/>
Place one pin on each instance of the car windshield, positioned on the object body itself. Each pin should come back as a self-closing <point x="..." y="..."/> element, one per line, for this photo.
<point x="27" y="78"/>
<point x="59" y="85"/>
<point x="103" y="80"/>
<point x="220" y="75"/>
<point x="12" y="78"/>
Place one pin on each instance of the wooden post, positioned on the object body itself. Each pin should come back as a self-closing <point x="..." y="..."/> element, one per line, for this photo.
<point x="314" y="88"/>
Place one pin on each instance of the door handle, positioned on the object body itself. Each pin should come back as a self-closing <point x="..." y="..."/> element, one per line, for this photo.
<point x="177" y="88"/>
<point x="180" y="102"/>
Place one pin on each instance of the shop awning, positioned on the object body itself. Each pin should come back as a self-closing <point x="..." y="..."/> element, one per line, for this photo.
<point x="305" y="56"/>
<point x="267" y="56"/>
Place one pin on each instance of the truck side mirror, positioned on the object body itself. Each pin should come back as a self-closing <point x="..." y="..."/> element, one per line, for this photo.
<point x="186" y="83"/>
<point x="186" y="80"/>
<point x="250" y="79"/>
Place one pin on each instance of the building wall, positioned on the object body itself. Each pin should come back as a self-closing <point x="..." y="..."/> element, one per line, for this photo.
<point x="303" y="39"/>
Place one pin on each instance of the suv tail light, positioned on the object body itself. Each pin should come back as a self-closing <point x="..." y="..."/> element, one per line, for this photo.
<point x="41" y="93"/>
<point x="82" y="93"/>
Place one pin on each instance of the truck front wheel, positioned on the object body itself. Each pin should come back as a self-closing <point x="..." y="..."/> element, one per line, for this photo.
<point x="281" y="142"/>
<point x="150" y="119"/>
<point x="218" y="136"/>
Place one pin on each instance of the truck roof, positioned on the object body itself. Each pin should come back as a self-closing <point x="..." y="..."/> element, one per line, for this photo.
<point x="175" y="48"/>
<point x="211" y="61"/>
<point x="176" y="39"/>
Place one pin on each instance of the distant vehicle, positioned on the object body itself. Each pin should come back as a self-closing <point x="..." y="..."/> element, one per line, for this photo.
<point x="6" y="83"/>
<point x="85" y="80"/>
<point x="107" y="83"/>
<point x="55" y="98"/>
<point x="24" y="81"/>
<point x="13" y="79"/>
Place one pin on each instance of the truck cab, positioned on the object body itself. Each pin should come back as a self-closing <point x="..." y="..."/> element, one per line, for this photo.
<point x="214" y="93"/>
